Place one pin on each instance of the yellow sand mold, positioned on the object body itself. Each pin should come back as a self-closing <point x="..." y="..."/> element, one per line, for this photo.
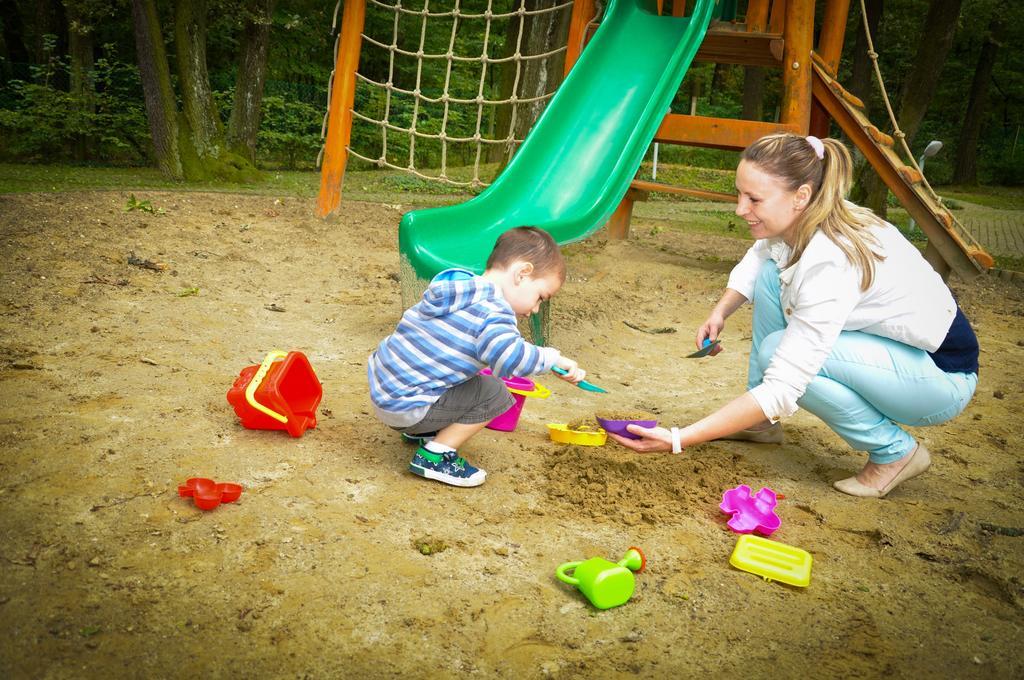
<point x="772" y="560"/>
<point x="563" y="435"/>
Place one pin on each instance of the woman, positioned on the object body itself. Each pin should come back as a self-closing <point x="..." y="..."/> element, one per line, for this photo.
<point x="849" y="322"/>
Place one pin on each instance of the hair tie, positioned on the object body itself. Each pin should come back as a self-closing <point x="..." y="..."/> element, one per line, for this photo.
<point x="817" y="145"/>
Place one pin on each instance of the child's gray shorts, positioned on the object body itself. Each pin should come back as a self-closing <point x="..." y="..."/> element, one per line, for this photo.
<point x="478" y="400"/>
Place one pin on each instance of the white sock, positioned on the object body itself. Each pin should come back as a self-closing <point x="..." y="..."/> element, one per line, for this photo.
<point x="435" y="447"/>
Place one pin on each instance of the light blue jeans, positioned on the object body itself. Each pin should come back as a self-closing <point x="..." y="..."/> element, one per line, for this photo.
<point x="867" y="385"/>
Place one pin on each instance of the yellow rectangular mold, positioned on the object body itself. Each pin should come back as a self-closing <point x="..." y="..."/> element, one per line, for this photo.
<point x="772" y="560"/>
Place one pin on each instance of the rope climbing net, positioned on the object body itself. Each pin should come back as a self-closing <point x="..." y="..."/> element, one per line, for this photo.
<point x="435" y="107"/>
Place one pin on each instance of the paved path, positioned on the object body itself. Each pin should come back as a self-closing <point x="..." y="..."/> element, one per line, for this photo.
<point x="1000" y="232"/>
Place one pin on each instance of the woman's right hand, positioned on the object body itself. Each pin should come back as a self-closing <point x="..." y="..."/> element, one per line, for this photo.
<point x="710" y="330"/>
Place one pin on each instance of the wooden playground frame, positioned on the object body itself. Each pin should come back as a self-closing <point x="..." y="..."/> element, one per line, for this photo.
<point x="775" y="34"/>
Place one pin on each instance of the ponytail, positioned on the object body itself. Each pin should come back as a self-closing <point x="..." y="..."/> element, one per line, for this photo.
<point x="826" y="166"/>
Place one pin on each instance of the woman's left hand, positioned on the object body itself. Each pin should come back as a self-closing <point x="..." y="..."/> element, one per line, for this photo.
<point x="654" y="439"/>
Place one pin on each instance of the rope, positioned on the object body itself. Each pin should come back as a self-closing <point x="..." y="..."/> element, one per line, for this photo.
<point x="384" y="124"/>
<point x="447" y="82"/>
<point x="511" y="147"/>
<point x="387" y="95"/>
<point x="488" y="15"/>
<point x="900" y="135"/>
<point x="384" y="163"/>
<point x="419" y="80"/>
<point x="450" y="56"/>
<point x="479" y="99"/>
<point x="419" y="99"/>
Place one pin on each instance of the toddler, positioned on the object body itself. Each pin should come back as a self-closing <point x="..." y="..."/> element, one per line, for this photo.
<point x="425" y="377"/>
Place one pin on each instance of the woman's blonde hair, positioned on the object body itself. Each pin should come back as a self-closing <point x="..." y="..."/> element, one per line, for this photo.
<point x="794" y="161"/>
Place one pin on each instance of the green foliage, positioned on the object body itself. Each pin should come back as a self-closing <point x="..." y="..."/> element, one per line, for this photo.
<point x="290" y="133"/>
<point x="1005" y="170"/>
<point x="136" y="204"/>
<point x="40" y="122"/>
<point x="671" y="154"/>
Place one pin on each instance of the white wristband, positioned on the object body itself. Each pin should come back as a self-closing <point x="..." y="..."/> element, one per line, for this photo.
<point x="677" y="446"/>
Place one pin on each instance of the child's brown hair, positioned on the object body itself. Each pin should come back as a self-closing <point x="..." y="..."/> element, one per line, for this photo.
<point x="528" y="244"/>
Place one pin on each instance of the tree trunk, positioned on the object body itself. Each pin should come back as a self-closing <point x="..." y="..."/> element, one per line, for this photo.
<point x="862" y="84"/>
<point x="541" y="33"/>
<point x="863" y="74"/>
<point x="933" y="48"/>
<point x="203" y="124"/>
<point x="161" y="109"/>
<point x="244" y="123"/>
<point x="80" y="51"/>
<point x="720" y="78"/>
<point x="966" y="170"/>
<point x="753" y="93"/>
<point x="919" y="87"/>
<point x="13" y="48"/>
<point x="57" y="26"/>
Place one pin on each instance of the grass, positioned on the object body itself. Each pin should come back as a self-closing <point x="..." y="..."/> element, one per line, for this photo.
<point x="21" y="178"/>
<point x="1013" y="264"/>
<point x="710" y="179"/>
<point x="60" y="178"/>
<point x="388" y="186"/>
<point x="16" y="178"/>
<point x="391" y="186"/>
<point x="1002" y="198"/>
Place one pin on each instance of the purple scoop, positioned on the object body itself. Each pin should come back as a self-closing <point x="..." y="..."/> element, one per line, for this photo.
<point x="751" y="513"/>
<point x="619" y="426"/>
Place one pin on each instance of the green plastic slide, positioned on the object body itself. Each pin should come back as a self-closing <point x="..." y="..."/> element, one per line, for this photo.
<point x="579" y="158"/>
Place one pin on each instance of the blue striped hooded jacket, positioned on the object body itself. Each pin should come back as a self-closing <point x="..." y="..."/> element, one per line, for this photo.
<point x="459" y="327"/>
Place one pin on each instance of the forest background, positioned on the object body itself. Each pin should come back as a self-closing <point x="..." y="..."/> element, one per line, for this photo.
<point x="222" y="89"/>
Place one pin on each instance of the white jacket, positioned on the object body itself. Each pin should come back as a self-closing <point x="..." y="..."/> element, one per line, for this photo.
<point x="821" y="296"/>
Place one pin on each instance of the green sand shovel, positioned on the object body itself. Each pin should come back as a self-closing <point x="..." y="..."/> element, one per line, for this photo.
<point x="606" y="584"/>
<point x="583" y="384"/>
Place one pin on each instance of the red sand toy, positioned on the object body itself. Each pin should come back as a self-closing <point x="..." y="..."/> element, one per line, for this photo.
<point x="208" y="494"/>
<point x="282" y="393"/>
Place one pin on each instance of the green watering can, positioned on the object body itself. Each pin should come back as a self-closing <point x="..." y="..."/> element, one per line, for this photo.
<point x="606" y="584"/>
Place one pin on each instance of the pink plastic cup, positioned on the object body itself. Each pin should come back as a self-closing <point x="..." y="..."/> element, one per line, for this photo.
<point x="508" y="420"/>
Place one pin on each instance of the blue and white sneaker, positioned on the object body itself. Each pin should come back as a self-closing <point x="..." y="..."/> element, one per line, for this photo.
<point x="418" y="439"/>
<point x="449" y="468"/>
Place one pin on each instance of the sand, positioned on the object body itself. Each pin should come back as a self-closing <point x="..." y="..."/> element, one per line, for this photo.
<point x="112" y="392"/>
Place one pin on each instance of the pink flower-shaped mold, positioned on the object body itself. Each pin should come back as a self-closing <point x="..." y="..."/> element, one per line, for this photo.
<point x="751" y="513"/>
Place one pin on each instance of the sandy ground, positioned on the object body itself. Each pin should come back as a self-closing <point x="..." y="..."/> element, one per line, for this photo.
<point x="112" y="392"/>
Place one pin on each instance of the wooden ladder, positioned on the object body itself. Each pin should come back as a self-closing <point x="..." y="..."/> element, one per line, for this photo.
<point x="950" y="245"/>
